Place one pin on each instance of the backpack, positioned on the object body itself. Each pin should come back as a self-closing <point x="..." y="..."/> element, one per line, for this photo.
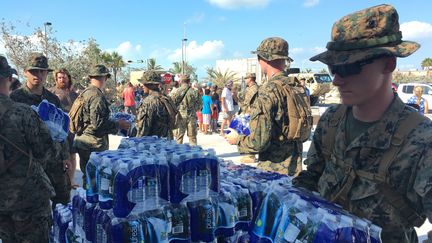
<point x="174" y="114"/>
<point x="299" y="112"/>
<point x="76" y="124"/>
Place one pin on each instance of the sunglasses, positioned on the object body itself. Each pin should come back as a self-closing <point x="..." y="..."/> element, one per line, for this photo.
<point x="345" y="70"/>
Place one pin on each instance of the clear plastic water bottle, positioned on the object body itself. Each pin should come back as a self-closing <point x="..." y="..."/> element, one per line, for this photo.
<point x="188" y="182"/>
<point x="105" y="184"/>
<point x="375" y="234"/>
<point x="203" y="179"/>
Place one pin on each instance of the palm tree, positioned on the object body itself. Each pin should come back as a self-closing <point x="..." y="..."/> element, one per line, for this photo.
<point x="427" y="63"/>
<point x="220" y="78"/>
<point x="114" y="61"/>
<point x="151" y="65"/>
<point x="176" y="69"/>
<point x="189" y="70"/>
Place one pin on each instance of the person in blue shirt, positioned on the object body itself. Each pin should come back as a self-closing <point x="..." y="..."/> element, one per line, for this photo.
<point x="206" y="110"/>
<point x="419" y="100"/>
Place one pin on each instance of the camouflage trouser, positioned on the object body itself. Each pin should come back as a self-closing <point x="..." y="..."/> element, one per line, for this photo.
<point x="84" y="155"/>
<point x="291" y="166"/>
<point x="32" y="225"/>
<point x="189" y="125"/>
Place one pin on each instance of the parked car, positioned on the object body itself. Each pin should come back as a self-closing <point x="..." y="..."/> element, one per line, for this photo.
<point x="406" y="90"/>
<point x="319" y="84"/>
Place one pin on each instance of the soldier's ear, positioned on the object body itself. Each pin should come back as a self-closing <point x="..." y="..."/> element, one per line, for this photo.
<point x="390" y="64"/>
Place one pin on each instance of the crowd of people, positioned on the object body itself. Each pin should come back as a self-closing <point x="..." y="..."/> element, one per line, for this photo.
<point x="371" y="154"/>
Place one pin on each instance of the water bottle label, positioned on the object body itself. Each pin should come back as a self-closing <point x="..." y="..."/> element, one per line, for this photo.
<point x="105" y="184"/>
<point x="291" y="233"/>
<point x="177" y="229"/>
<point x="243" y="213"/>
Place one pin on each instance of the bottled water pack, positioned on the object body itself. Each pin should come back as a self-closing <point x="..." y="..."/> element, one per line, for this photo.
<point x="55" y="119"/>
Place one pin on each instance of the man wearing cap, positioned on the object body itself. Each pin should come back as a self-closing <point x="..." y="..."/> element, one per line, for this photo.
<point x="153" y="118"/>
<point x="32" y="93"/>
<point x="246" y="105"/>
<point x="96" y="117"/>
<point x="372" y="154"/>
<point x="269" y="113"/>
<point x="250" y="94"/>
<point x="188" y="102"/>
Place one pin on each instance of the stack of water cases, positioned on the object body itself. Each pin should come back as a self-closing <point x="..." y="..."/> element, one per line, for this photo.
<point x="283" y="213"/>
<point x="154" y="190"/>
<point x="55" y="119"/>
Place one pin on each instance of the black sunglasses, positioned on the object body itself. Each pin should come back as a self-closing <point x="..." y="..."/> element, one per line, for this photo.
<point x="345" y="70"/>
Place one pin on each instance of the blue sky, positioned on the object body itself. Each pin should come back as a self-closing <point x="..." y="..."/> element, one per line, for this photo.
<point x="216" y="29"/>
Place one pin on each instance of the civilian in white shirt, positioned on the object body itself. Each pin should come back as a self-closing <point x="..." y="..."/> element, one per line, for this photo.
<point x="227" y="104"/>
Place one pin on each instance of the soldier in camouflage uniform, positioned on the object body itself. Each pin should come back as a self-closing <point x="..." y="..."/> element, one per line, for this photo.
<point x="152" y="116"/>
<point x="25" y="189"/>
<point x="32" y="93"/>
<point x="188" y="102"/>
<point x="269" y="114"/>
<point x="352" y="141"/>
<point x="96" y="117"/>
<point x="246" y="105"/>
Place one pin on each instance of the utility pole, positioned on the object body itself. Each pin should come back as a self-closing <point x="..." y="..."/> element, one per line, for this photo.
<point x="184" y="40"/>
<point x="46" y="37"/>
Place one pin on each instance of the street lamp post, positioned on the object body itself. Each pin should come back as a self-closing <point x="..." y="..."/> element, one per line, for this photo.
<point x="46" y="37"/>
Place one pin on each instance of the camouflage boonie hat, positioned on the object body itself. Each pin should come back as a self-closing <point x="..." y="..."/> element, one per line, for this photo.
<point x="99" y="70"/>
<point x="250" y="75"/>
<point x="366" y="34"/>
<point x="37" y="61"/>
<point x="273" y="48"/>
<point x="151" y="77"/>
<point x="5" y="69"/>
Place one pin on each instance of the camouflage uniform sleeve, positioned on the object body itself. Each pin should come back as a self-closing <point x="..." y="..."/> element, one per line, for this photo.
<point x="99" y="118"/>
<point x="315" y="160"/>
<point x="198" y="101"/>
<point x="144" y="119"/>
<point x="260" y="126"/>
<point x="423" y="180"/>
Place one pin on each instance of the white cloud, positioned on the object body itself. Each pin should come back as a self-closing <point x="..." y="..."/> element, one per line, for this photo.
<point x="194" y="51"/>
<point x="197" y="18"/>
<point x="138" y="47"/>
<point x="416" y="30"/>
<point x="2" y="49"/>
<point x="127" y="50"/>
<point x="233" y="4"/>
<point x="296" y="50"/>
<point x="318" y="49"/>
<point x="310" y="3"/>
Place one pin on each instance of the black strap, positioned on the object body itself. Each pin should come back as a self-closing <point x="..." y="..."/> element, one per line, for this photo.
<point x="184" y="94"/>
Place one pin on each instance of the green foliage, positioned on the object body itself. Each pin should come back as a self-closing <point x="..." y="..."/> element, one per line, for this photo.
<point x="76" y="56"/>
<point x="220" y="78"/>
<point x="427" y="63"/>
<point x="189" y="70"/>
<point x="151" y="65"/>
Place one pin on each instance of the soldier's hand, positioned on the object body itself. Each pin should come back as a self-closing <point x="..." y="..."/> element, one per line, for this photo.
<point x="123" y="124"/>
<point x="232" y="137"/>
